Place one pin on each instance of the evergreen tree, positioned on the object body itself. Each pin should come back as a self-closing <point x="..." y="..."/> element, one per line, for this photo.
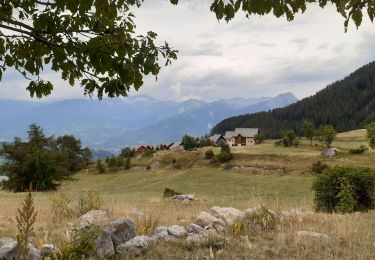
<point x="370" y="129"/>
<point x="308" y="130"/>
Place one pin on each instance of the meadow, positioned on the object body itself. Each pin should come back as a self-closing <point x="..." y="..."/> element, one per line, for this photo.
<point x="284" y="184"/>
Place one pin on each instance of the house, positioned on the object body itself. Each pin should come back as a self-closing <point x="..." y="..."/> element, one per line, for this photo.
<point x="177" y="146"/>
<point x="241" y="136"/>
<point x="216" y="139"/>
<point x="141" y="149"/>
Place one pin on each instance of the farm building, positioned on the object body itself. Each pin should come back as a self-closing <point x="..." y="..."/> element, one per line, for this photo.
<point x="216" y="139"/>
<point x="141" y="149"/>
<point x="241" y="136"/>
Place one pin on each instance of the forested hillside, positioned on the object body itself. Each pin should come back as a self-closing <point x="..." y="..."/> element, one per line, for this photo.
<point x="346" y="104"/>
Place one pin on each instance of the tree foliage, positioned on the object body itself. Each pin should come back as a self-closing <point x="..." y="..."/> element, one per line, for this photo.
<point x="94" y="42"/>
<point x="347" y="105"/>
<point x="190" y="142"/>
<point x="41" y="161"/>
<point x="370" y="129"/>
<point x="325" y="134"/>
<point x="289" y="139"/>
<point x="259" y="138"/>
<point x="308" y="130"/>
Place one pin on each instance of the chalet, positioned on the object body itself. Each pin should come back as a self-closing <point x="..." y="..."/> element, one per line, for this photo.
<point x="141" y="149"/>
<point x="167" y="146"/>
<point x="216" y="139"/>
<point x="241" y="136"/>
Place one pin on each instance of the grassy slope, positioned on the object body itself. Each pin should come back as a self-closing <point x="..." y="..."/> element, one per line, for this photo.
<point x="124" y="191"/>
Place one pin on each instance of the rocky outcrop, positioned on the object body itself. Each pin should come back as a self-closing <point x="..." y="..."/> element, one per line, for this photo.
<point x="96" y="217"/>
<point x="208" y="222"/>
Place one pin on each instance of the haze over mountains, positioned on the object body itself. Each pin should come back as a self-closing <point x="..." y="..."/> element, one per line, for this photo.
<point x="114" y="123"/>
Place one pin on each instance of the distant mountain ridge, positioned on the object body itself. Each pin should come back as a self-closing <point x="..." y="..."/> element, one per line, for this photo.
<point x="114" y="123"/>
<point x="347" y="104"/>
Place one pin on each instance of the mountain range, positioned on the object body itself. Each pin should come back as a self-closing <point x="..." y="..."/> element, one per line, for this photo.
<point x="347" y="104"/>
<point x="111" y="124"/>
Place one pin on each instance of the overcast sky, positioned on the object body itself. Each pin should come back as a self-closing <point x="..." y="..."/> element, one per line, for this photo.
<point x="260" y="56"/>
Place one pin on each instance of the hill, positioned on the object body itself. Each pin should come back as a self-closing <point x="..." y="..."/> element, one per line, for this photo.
<point x="347" y="104"/>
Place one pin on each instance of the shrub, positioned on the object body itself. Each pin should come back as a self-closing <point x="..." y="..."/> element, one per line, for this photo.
<point x="148" y="154"/>
<point x="319" y="167"/>
<point x="127" y="152"/>
<point x="170" y="193"/>
<point x="100" y="168"/>
<point x="189" y="142"/>
<point x="148" y="167"/>
<point x="209" y="154"/>
<point x="225" y="154"/>
<point x="259" y="138"/>
<point x="89" y="200"/>
<point x="345" y="189"/>
<point x="62" y="207"/>
<point x="127" y="163"/>
<point x="289" y="139"/>
<point x="359" y="150"/>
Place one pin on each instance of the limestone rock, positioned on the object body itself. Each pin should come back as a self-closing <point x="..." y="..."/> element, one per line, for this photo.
<point x="104" y="246"/>
<point x="195" y="229"/>
<point x="177" y="231"/>
<point x="6" y="240"/>
<point x="9" y="251"/>
<point x="93" y="217"/>
<point x="206" y="221"/>
<point x="312" y="234"/>
<point x="121" y="230"/>
<point x="183" y="197"/>
<point x="229" y="215"/>
<point x="331" y="152"/>
<point x="137" y="245"/>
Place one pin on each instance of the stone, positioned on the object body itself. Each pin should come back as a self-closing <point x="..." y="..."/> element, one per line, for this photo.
<point x="6" y="240"/>
<point x="50" y="251"/>
<point x="229" y="215"/>
<point x="206" y="221"/>
<point x="183" y="197"/>
<point x="155" y="165"/>
<point x="136" y="212"/>
<point x="177" y="231"/>
<point x="9" y="251"/>
<point x="161" y="233"/>
<point x="195" y="229"/>
<point x="104" y="246"/>
<point x="121" y="230"/>
<point x="312" y="234"/>
<point x="331" y="152"/>
<point x="93" y="217"/>
<point x="137" y="245"/>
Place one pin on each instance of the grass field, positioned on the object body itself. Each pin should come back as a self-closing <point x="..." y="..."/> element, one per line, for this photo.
<point x="122" y="192"/>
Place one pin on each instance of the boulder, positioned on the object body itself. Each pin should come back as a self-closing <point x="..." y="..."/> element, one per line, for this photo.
<point x="137" y="245"/>
<point x="93" y="217"/>
<point x="50" y="251"/>
<point x="6" y="240"/>
<point x="161" y="233"/>
<point x="331" y="152"/>
<point x="104" y="246"/>
<point x="121" y="230"/>
<point x="155" y="165"/>
<point x="208" y="221"/>
<point x="312" y="234"/>
<point x="176" y="231"/>
<point x="9" y="251"/>
<point x="229" y="215"/>
<point x="195" y="229"/>
<point x="183" y="197"/>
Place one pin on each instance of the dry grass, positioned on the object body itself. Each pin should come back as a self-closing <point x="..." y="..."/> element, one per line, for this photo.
<point x="353" y="235"/>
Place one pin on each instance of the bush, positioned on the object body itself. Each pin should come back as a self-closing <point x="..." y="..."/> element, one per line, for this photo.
<point x="209" y="154"/>
<point x="289" y="139"/>
<point x="89" y="200"/>
<point x="359" y="150"/>
<point x="170" y="193"/>
<point x="100" y="168"/>
<point x="225" y="154"/>
<point x="319" y="167"/>
<point x="62" y="207"/>
<point x="259" y="138"/>
<point x="345" y="189"/>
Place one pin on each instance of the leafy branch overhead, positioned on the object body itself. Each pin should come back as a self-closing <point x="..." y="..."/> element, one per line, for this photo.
<point x="93" y="42"/>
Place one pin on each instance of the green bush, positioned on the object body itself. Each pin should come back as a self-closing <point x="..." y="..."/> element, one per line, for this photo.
<point x="319" y="167"/>
<point x="170" y="193"/>
<point x="209" y="154"/>
<point x="225" y="154"/>
<point x="100" y="168"/>
<point x="289" y="139"/>
<point x="359" y="150"/>
<point x="345" y="189"/>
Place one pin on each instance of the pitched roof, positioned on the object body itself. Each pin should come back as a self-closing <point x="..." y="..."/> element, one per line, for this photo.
<point x="215" y="138"/>
<point x="229" y="134"/>
<point x="246" y="132"/>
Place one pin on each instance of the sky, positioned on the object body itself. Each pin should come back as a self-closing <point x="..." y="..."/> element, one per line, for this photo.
<point x="255" y="57"/>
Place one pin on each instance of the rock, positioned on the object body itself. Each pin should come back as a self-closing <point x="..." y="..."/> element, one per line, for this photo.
<point x="312" y="234"/>
<point x="121" y="230"/>
<point x="138" y="168"/>
<point x="183" y="197"/>
<point x="229" y="215"/>
<point x="195" y="229"/>
<point x="137" y="245"/>
<point x="155" y="165"/>
<point x="50" y="251"/>
<point x="6" y="240"/>
<point x="93" y="217"/>
<point x="331" y="152"/>
<point x="177" y="231"/>
<point x="136" y="212"/>
<point x="206" y="221"/>
<point x="161" y="233"/>
<point x="4" y="178"/>
<point x="9" y="251"/>
<point x="104" y="246"/>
